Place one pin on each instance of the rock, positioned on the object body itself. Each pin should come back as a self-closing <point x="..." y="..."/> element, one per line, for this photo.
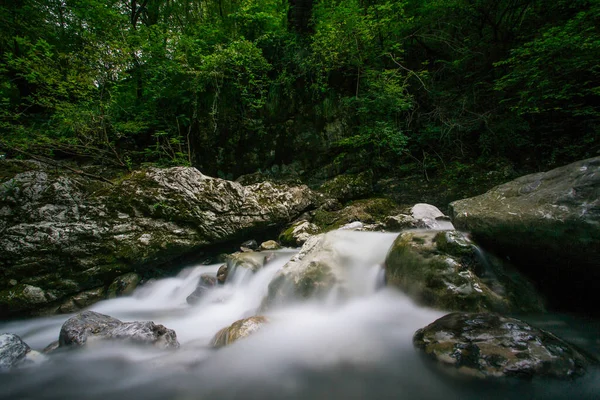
<point x="123" y="285"/>
<point x="222" y="274"/>
<point x="269" y="245"/>
<point x="370" y="212"/>
<point x="249" y="261"/>
<point x="12" y="351"/>
<point x="312" y="272"/>
<point x="82" y="300"/>
<point x="349" y="187"/>
<point x="548" y="224"/>
<point x="205" y="283"/>
<point x="400" y="222"/>
<point x="90" y="326"/>
<point x="444" y="269"/>
<point x="61" y="234"/>
<point x="298" y="233"/>
<point x="238" y="330"/>
<point x="249" y="244"/>
<point x="491" y="346"/>
<point x="430" y="217"/>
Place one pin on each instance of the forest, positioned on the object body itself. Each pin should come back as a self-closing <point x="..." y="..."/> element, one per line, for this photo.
<point x="434" y="87"/>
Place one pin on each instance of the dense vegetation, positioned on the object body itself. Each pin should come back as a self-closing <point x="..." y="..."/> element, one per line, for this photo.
<point x="233" y="86"/>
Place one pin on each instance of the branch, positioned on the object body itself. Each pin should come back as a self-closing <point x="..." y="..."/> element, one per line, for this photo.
<point x="410" y="71"/>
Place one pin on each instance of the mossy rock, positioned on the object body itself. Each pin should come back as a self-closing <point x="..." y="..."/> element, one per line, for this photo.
<point x="445" y="270"/>
<point x="349" y="187"/>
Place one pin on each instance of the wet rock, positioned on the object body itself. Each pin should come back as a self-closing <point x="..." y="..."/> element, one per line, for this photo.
<point x="238" y="330"/>
<point x="12" y="351"/>
<point x="269" y="245"/>
<point x="298" y="233"/>
<point x="61" y="235"/>
<point x="123" y="285"/>
<point x="430" y="217"/>
<point x="491" y="346"/>
<point x="249" y="261"/>
<point x="205" y="283"/>
<point x="549" y="225"/>
<point x="222" y="274"/>
<point x="444" y="269"/>
<point x="90" y="326"/>
<point x="312" y="272"/>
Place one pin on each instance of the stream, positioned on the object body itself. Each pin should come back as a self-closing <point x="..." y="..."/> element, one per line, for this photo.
<point x="356" y="346"/>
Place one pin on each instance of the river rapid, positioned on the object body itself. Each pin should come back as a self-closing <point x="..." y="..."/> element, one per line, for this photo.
<point x="356" y="346"/>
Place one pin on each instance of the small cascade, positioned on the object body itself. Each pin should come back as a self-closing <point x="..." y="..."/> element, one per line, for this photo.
<point x="356" y="342"/>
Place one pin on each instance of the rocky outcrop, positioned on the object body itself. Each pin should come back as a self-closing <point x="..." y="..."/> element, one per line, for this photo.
<point x="445" y="270"/>
<point x="491" y="346"/>
<point x="549" y="225"/>
<point x="238" y="330"/>
<point x="90" y="326"/>
<point x="14" y="352"/>
<point x="64" y="234"/>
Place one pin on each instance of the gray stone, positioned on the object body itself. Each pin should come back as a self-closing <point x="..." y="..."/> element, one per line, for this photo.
<point x="491" y="346"/>
<point x="12" y="351"/>
<point x="430" y="217"/>
<point x="89" y="326"/>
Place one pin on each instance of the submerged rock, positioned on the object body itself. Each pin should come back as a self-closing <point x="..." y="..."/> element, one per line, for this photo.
<point x="238" y="330"/>
<point x="88" y="325"/>
<point x="491" y="346"/>
<point x="61" y="234"/>
<point x="205" y="283"/>
<point x="249" y="261"/>
<point x="444" y="269"/>
<point x="549" y="225"/>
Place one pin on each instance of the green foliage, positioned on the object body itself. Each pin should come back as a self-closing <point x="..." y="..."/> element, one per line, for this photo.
<point x="231" y="87"/>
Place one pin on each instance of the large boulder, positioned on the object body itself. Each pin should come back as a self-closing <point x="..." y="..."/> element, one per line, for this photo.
<point x="62" y="234"/>
<point x="549" y="225"/>
<point x="486" y="345"/>
<point x="298" y="233"/>
<point x="238" y="330"/>
<point x="14" y="352"/>
<point x="90" y="326"/>
<point x="445" y="270"/>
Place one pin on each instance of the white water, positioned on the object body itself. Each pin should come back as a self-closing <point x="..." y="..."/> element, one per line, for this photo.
<point x="360" y="347"/>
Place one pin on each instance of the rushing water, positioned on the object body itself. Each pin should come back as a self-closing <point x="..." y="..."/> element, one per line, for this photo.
<point x="356" y="348"/>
